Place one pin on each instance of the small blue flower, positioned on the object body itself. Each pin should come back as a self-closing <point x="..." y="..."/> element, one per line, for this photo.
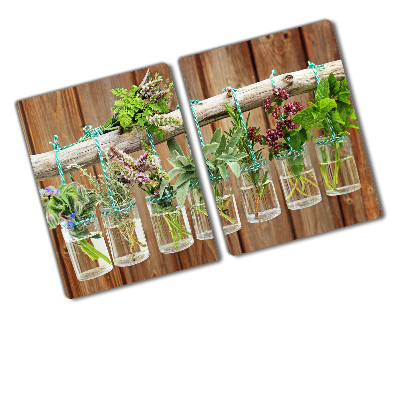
<point x="57" y="191"/>
<point x="70" y="224"/>
<point x="48" y="189"/>
<point x="73" y="215"/>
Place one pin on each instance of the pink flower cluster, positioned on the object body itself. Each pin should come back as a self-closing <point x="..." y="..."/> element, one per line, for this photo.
<point x="280" y="94"/>
<point x="292" y="108"/>
<point x="252" y="135"/>
<point x="282" y="115"/>
<point x="132" y="170"/>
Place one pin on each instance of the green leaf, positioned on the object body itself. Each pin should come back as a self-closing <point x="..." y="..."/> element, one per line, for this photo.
<point x="235" y="167"/>
<point x="173" y="145"/>
<point x="302" y="133"/>
<point x="217" y="136"/>
<point x="220" y="149"/>
<point x="174" y="172"/>
<point x="227" y="157"/>
<point x="182" y="160"/>
<point x="325" y="105"/>
<point x="295" y="142"/>
<point x="297" y="165"/>
<point x="322" y="91"/>
<point x="181" y="193"/>
<point x="235" y="137"/>
<point x="183" y="179"/>
<point x="210" y="148"/>
<point x="222" y="170"/>
<point x="163" y="185"/>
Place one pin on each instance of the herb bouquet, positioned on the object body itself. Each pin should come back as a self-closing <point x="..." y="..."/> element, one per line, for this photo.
<point x="220" y="155"/>
<point x="333" y="113"/>
<point x="119" y="214"/>
<point x="256" y="187"/>
<point x="142" y="106"/>
<point x="74" y="208"/>
<point x="286" y="146"/>
<point x="169" y="220"/>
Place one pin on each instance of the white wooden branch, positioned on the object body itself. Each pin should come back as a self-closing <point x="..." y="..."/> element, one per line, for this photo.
<point x="212" y="109"/>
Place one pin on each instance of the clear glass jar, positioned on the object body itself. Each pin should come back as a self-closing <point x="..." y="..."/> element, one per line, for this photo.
<point x="125" y="234"/>
<point x="226" y="204"/>
<point x="337" y="165"/>
<point x="298" y="180"/>
<point x="199" y="213"/>
<point x="258" y="193"/>
<point x="87" y="249"/>
<point x="170" y="224"/>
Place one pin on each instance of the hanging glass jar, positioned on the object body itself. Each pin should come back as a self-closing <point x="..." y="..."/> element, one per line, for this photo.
<point x="199" y="213"/>
<point x="298" y="180"/>
<point x="125" y="234"/>
<point x="258" y="192"/>
<point x="170" y="224"/>
<point x="226" y="204"/>
<point x="87" y="248"/>
<point x="337" y="165"/>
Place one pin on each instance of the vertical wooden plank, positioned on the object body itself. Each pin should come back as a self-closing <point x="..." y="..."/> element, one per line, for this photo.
<point x="43" y="116"/>
<point x="196" y="88"/>
<point x="216" y="69"/>
<point x="283" y="52"/>
<point x="362" y="205"/>
<point x="157" y="264"/>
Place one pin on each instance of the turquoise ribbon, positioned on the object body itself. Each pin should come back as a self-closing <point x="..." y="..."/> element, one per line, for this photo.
<point x="56" y="146"/>
<point x="94" y="133"/>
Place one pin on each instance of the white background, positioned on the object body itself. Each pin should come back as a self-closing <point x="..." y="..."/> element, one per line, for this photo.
<point x="313" y="319"/>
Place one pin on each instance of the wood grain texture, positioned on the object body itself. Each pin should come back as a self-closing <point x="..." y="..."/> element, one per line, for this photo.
<point x="244" y="66"/>
<point x="362" y="205"/>
<point x="211" y="109"/>
<point x="65" y="113"/>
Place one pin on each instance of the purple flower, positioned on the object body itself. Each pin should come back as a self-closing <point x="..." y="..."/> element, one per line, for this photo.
<point x="280" y="94"/>
<point x="276" y="112"/>
<point x="292" y="108"/>
<point x="143" y="178"/>
<point x="251" y="132"/>
<point x="267" y="103"/>
<point x="70" y="224"/>
<point x="73" y="215"/>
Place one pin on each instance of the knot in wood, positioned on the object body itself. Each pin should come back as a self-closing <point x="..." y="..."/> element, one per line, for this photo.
<point x="288" y="78"/>
<point x="229" y="92"/>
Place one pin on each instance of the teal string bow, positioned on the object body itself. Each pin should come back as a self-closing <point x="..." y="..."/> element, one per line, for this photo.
<point x="56" y="146"/>
<point x="94" y="133"/>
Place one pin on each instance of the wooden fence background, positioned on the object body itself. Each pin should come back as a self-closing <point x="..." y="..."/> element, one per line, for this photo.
<point x="65" y="113"/>
<point x="248" y="62"/>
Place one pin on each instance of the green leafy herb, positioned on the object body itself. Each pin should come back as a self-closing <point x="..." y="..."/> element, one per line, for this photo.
<point x="144" y="105"/>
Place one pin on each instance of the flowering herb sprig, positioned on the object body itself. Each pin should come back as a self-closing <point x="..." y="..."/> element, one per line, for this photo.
<point x="70" y="204"/>
<point x="147" y="173"/>
<point x="122" y="193"/>
<point x="255" y="176"/>
<point x="145" y="170"/>
<point x="144" y="105"/>
<point x="287" y="134"/>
